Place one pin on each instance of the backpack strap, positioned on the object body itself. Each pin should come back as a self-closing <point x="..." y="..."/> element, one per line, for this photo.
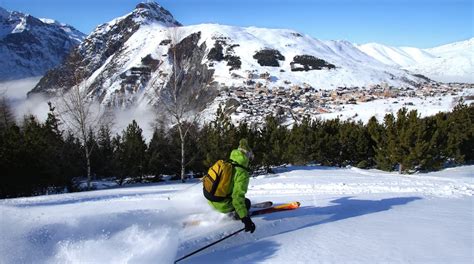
<point x="238" y="165"/>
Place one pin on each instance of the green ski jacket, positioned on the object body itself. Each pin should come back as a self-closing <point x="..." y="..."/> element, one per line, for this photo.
<point x="239" y="186"/>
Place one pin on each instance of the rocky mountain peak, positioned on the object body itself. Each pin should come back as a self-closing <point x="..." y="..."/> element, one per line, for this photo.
<point x="144" y="12"/>
<point x="30" y="46"/>
<point x="105" y="41"/>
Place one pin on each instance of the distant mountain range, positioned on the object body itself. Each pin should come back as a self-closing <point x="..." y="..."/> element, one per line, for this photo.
<point x="127" y="60"/>
<point x="30" y="46"/>
<point x="447" y="63"/>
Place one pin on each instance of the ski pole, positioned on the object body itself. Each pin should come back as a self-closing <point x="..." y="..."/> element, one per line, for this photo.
<point x="213" y="243"/>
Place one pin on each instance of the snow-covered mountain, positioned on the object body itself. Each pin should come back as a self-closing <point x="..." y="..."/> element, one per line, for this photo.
<point x="400" y="57"/>
<point x="447" y="63"/>
<point x="127" y="60"/>
<point x="30" y="46"/>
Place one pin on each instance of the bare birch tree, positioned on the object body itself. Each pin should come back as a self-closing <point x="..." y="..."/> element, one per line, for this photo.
<point x="180" y="95"/>
<point x="82" y="115"/>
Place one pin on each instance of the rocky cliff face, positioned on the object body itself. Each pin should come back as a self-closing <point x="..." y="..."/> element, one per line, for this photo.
<point x="104" y="43"/>
<point x="30" y="46"/>
<point x="108" y="57"/>
<point x="194" y="78"/>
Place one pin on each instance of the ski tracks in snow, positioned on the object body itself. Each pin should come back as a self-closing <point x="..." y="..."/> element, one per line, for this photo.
<point x="144" y="224"/>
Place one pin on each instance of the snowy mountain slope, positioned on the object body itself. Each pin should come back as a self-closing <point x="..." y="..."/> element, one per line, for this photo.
<point x="453" y="63"/>
<point x="402" y="57"/>
<point x="347" y="215"/>
<point x="97" y="54"/>
<point x="137" y="64"/>
<point x="352" y="66"/>
<point x="30" y="46"/>
<point x="73" y="33"/>
<point x="453" y="49"/>
<point x="448" y="63"/>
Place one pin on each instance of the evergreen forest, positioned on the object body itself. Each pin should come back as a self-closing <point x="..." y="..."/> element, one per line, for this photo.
<point x="40" y="158"/>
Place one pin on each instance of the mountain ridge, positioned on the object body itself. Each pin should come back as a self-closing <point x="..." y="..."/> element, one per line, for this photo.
<point x="30" y="46"/>
<point x="126" y="61"/>
<point x="107" y="39"/>
<point x="447" y="63"/>
<point x="133" y="63"/>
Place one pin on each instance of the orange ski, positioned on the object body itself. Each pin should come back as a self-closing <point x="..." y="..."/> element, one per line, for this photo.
<point x="276" y="208"/>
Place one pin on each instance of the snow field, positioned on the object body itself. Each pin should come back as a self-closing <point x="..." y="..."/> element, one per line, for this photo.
<point x="347" y="216"/>
<point x="357" y="181"/>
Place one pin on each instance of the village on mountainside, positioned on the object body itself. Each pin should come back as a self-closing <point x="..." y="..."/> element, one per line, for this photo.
<point x="255" y="97"/>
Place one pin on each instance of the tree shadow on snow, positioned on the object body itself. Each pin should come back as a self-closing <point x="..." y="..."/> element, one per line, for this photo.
<point x="304" y="168"/>
<point x="343" y="208"/>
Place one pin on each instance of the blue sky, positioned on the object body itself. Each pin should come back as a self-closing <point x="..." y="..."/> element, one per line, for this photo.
<point x="416" y="23"/>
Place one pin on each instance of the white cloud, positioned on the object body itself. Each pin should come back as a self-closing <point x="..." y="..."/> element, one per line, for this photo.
<point x="17" y="89"/>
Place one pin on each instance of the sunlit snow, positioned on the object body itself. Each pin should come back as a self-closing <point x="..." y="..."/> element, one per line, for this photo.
<point x="347" y="215"/>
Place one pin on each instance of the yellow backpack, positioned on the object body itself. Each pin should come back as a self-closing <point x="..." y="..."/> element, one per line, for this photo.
<point x="217" y="182"/>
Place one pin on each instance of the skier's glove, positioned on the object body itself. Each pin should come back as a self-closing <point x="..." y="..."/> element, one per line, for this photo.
<point x="249" y="225"/>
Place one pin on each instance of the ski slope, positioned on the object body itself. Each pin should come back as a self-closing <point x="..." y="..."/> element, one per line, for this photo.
<point x="347" y="215"/>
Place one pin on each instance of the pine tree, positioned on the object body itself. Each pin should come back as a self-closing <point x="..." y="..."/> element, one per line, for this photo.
<point x="365" y="148"/>
<point x="432" y="157"/>
<point x="104" y="155"/>
<point x="40" y="147"/>
<point x="273" y="136"/>
<point x="55" y="142"/>
<point x="347" y="144"/>
<point x="316" y="148"/>
<point x="119" y="159"/>
<point x="36" y="153"/>
<point x="460" y="146"/>
<point x="72" y="161"/>
<point x="378" y="134"/>
<point x="52" y="121"/>
<point x="132" y="152"/>
<point x="355" y="144"/>
<point x="299" y="143"/>
<point x="219" y="137"/>
<point x="243" y="130"/>
<point x="330" y="145"/>
<point x="11" y="163"/>
<point x="6" y="114"/>
<point x="95" y="158"/>
<point x="194" y="164"/>
<point x="158" y="154"/>
<point x="10" y="141"/>
<point x="439" y="139"/>
<point x="252" y="134"/>
<point x="412" y="143"/>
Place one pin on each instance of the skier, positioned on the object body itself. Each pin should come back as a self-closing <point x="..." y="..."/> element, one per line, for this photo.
<point x="237" y="204"/>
